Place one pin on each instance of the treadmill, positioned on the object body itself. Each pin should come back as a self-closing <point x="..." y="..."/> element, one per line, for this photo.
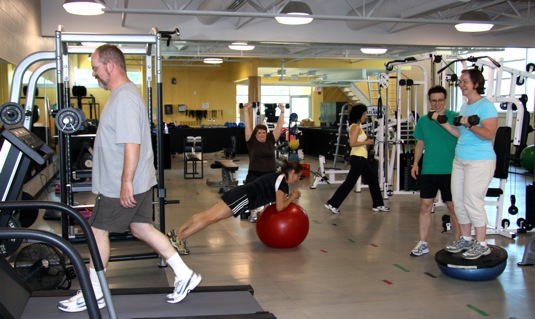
<point x="18" y="301"/>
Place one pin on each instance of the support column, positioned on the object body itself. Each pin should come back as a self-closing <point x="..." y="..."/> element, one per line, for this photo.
<point x="254" y="88"/>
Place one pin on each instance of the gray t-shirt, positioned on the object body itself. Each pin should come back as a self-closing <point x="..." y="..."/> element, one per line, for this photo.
<point x="123" y="121"/>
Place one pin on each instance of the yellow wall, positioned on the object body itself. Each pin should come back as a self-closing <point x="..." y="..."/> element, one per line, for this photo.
<point x="200" y="88"/>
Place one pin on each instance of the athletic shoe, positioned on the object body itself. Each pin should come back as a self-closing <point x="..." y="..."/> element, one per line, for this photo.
<point x="254" y="216"/>
<point x="332" y="209"/>
<point x="381" y="209"/>
<point x="183" y="287"/>
<point x="421" y="249"/>
<point x="77" y="303"/>
<point x="477" y="250"/>
<point x="180" y="245"/>
<point x="459" y="245"/>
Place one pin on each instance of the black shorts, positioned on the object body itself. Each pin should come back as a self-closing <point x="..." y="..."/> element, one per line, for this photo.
<point x="237" y="200"/>
<point x="430" y="184"/>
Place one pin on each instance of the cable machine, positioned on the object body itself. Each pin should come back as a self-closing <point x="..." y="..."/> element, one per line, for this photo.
<point x="403" y="126"/>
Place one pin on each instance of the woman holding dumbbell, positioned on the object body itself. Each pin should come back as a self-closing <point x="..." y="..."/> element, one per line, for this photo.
<point x="261" y="147"/>
<point x="473" y="165"/>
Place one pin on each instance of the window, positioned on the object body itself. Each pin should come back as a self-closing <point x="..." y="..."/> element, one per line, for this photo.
<point x="512" y="58"/>
<point x="298" y="97"/>
<point x="84" y="77"/>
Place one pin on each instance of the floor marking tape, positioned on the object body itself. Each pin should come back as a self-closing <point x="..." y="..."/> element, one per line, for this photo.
<point x="388" y="282"/>
<point x="481" y="312"/>
<point x="430" y="274"/>
<point x="351" y="240"/>
<point x="400" y="267"/>
<point x="317" y="222"/>
<point x="334" y="225"/>
<point x="323" y="250"/>
<point x="374" y="245"/>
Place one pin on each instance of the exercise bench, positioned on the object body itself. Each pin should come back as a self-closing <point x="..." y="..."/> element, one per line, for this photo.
<point x="228" y="178"/>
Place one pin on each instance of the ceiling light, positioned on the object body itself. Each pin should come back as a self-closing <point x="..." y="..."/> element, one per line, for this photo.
<point x="482" y="26"/>
<point x="373" y="50"/>
<point x="92" y="44"/>
<point x="213" y="60"/>
<point x="83" y="7"/>
<point x="295" y="13"/>
<point x="241" y="46"/>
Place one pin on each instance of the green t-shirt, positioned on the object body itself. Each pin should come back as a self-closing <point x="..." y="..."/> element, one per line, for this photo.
<point x="439" y="145"/>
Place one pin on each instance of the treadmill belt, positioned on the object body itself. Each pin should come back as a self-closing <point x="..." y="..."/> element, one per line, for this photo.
<point x="155" y="306"/>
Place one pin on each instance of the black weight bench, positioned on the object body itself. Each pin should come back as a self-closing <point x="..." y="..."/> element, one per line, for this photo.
<point x="195" y="170"/>
<point x="228" y="178"/>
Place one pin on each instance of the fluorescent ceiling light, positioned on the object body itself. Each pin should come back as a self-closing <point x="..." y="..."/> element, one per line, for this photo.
<point x="213" y="60"/>
<point x="373" y="50"/>
<point x="83" y="7"/>
<point x="475" y="26"/>
<point x="295" y="13"/>
<point x="241" y="46"/>
<point x="92" y="44"/>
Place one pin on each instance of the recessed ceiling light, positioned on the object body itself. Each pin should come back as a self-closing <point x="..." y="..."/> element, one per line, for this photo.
<point x="213" y="60"/>
<point x="241" y="46"/>
<point x="92" y="44"/>
<point x="295" y="13"/>
<point x="373" y="50"/>
<point x="476" y="26"/>
<point x="83" y="7"/>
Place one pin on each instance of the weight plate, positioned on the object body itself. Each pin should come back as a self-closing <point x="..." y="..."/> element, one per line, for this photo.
<point x="69" y="120"/>
<point x="383" y="80"/>
<point x="9" y="246"/>
<point x="11" y="113"/>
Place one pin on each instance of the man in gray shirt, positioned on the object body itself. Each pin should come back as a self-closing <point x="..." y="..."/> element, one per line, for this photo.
<point x="123" y="177"/>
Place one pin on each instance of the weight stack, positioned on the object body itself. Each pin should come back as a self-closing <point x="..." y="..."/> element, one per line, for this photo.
<point x="530" y="206"/>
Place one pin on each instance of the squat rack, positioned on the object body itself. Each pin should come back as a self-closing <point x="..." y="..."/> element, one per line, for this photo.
<point x="151" y="50"/>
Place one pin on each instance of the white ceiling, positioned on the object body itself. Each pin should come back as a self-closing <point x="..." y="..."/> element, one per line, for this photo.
<point x="340" y="27"/>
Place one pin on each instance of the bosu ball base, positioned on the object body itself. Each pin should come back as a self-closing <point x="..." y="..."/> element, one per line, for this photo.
<point x="482" y="269"/>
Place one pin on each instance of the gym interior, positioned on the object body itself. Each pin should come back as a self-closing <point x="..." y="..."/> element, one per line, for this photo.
<point x="355" y="264"/>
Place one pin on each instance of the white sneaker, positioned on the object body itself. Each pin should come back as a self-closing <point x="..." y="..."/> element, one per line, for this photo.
<point x="253" y="216"/>
<point x="332" y="209"/>
<point x="421" y="249"/>
<point x="77" y="303"/>
<point x="381" y="209"/>
<point x="183" y="287"/>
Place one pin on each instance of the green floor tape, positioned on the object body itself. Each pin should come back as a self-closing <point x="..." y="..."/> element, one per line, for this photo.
<point x="481" y="312"/>
<point x="400" y="267"/>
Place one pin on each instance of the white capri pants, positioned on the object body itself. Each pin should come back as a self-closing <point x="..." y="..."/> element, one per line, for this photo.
<point x="469" y="184"/>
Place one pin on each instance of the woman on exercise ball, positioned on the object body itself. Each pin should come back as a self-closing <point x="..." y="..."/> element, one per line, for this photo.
<point x="473" y="165"/>
<point x="269" y="188"/>
<point x="261" y="148"/>
<point x="360" y="165"/>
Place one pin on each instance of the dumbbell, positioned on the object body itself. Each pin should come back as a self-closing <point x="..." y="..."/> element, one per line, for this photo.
<point x="472" y="120"/>
<point x="287" y="105"/>
<point x="442" y="118"/>
<point x="241" y="105"/>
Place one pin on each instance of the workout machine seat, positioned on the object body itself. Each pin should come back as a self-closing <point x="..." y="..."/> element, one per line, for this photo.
<point x="228" y="178"/>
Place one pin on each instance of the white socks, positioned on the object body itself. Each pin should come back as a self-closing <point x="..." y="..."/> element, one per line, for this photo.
<point x="178" y="265"/>
<point x="95" y="282"/>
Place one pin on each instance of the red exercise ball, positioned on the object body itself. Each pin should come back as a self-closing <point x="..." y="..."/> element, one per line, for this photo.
<point x="285" y="229"/>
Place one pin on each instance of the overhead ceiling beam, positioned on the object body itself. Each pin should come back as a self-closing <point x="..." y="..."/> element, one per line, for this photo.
<point x="316" y="17"/>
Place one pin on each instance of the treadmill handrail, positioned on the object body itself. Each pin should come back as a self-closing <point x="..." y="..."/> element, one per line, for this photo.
<point x="65" y="247"/>
<point x="86" y="228"/>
